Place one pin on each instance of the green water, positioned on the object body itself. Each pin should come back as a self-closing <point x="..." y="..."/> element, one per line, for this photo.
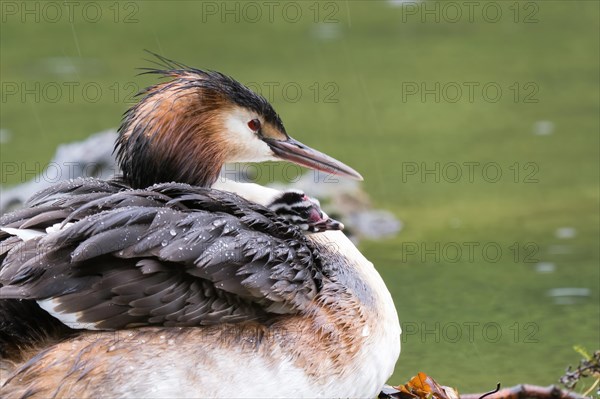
<point x="437" y="105"/>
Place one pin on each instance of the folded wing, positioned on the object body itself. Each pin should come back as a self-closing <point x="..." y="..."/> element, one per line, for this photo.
<point x="171" y="255"/>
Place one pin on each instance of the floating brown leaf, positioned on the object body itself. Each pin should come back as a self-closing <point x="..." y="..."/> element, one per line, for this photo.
<point x="423" y="386"/>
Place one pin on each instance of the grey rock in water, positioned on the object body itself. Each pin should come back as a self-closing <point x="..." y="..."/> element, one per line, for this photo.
<point x="91" y="157"/>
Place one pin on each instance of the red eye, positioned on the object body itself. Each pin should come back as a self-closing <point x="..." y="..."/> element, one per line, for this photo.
<point x="254" y="125"/>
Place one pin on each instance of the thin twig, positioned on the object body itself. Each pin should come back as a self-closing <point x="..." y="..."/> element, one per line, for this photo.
<point x="527" y="391"/>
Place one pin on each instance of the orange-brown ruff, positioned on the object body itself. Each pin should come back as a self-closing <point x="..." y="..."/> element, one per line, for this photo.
<point x="128" y="288"/>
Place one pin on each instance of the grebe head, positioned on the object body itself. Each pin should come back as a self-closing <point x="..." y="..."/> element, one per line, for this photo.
<point x="303" y="211"/>
<point x="186" y="128"/>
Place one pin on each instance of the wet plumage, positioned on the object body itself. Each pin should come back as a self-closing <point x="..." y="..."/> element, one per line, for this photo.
<point x="164" y="258"/>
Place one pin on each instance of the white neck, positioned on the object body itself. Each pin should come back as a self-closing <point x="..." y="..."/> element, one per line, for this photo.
<point x="252" y="192"/>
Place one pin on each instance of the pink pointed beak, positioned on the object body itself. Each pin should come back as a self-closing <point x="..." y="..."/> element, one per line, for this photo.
<point x="298" y="153"/>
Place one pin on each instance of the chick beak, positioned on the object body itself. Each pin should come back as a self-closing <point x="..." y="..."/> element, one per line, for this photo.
<point x="296" y="152"/>
<point x="328" y="224"/>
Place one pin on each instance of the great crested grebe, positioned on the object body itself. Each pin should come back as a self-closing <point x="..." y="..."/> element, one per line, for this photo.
<point x="161" y="286"/>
